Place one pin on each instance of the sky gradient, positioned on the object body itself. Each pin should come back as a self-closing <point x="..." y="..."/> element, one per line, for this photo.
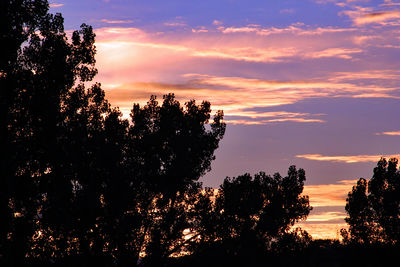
<point x="311" y="83"/>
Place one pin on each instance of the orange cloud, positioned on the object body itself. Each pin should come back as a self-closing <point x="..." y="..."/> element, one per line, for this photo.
<point x="327" y="217"/>
<point x="133" y="64"/>
<point x="389" y="133"/>
<point x="376" y="17"/>
<point x="346" y="159"/>
<point x="330" y="195"/>
<point x="235" y="95"/>
<point x="323" y="230"/>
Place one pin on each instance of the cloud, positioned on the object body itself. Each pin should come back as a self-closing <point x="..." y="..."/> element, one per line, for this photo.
<point x="292" y="29"/>
<point x="390" y="3"/>
<point x="217" y="22"/>
<point x="329" y="195"/>
<point x="384" y="75"/>
<point x="326" y="217"/>
<point x="235" y="75"/>
<point x="200" y="29"/>
<point x="323" y="231"/>
<point x="362" y="16"/>
<point x="344" y="53"/>
<point x="264" y="122"/>
<point x="346" y="159"/>
<point x="376" y="17"/>
<point x="287" y="11"/>
<point x="389" y="133"/>
<point x="116" y="21"/>
<point x="328" y="202"/>
<point x="55" y="5"/>
<point x="175" y="24"/>
<point x="362" y="39"/>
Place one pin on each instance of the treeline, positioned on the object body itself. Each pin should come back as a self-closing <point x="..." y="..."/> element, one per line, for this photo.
<point x="80" y="185"/>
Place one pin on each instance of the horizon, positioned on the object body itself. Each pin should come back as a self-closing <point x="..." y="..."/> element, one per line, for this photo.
<point x="306" y="83"/>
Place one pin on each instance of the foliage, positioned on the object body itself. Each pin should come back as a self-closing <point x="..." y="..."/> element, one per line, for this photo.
<point x="80" y="184"/>
<point x="257" y="214"/>
<point x="374" y="207"/>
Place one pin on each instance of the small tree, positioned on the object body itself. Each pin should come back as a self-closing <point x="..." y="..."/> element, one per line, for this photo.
<point x="255" y="213"/>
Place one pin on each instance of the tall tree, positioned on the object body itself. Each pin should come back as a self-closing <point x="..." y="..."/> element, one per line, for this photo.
<point x="53" y="131"/>
<point x="170" y="148"/>
<point x="77" y="179"/>
<point x="374" y="209"/>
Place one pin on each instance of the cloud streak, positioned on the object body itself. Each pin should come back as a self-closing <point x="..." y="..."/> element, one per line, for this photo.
<point x="389" y="133"/>
<point x="55" y="5"/>
<point x="346" y="159"/>
<point x="330" y="195"/>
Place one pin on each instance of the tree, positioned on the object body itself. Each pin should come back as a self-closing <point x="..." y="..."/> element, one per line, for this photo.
<point x="169" y="149"/>
<point x="373" y="208"/>
<point x="55" y="134"/>
<point x="361" y="217"/>
<point x="37" y="68"/>
<point x="76" y="178"/>
<point x="256" y="213"/>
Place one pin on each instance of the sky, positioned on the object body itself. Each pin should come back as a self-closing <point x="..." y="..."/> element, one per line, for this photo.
<point x="311" y="83"/>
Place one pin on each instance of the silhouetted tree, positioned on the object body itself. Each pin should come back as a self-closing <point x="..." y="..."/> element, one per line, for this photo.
<point x="170" y="148"/>
<point x="256" y="214"/>
<point x="76" y="179"/>
<point x="373" y="208"/>
<point x="55" y="136"/>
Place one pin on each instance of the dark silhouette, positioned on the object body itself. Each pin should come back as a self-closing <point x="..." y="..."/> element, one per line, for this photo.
<point x="253" y="215"/>
<point x="81" y="186"/>
<point x="79" y="183"/>
<point x="374" y="207"/>
<point x="38" y="69"/>
<point x="169" y="149"/>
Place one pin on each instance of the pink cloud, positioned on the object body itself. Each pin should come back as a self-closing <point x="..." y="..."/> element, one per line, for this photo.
<point x="55" y="5"/>
<point x="376" y="17"/>
<point x="346" y="159"/>
<point x="132" y="62"/>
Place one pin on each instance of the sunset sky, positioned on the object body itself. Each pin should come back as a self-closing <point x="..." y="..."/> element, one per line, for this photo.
<point x="311" y="83"/>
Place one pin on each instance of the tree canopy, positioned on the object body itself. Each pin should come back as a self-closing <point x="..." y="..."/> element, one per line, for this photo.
<point x="373" y="206"/>
<point x="80" y="183"/>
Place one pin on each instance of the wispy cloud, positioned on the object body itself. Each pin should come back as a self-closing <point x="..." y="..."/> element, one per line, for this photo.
<point x="54" y="5"/>
<point x="376" y="17"/>
<point x="346" y="159"/>
<point x="292" y="29"/>
<point x="217" y="22"/>
<point x="287" y="11"/>
<point x="328" y="201"/>
<point x="389" y="133"/>
<point x="344" y="53"/>
<point x="323" y="230"/>
<point x="329" y="195"/>
<point x="137" y="60"/>
<point x="116" y="21"/>
<point x="175" y="24"/>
